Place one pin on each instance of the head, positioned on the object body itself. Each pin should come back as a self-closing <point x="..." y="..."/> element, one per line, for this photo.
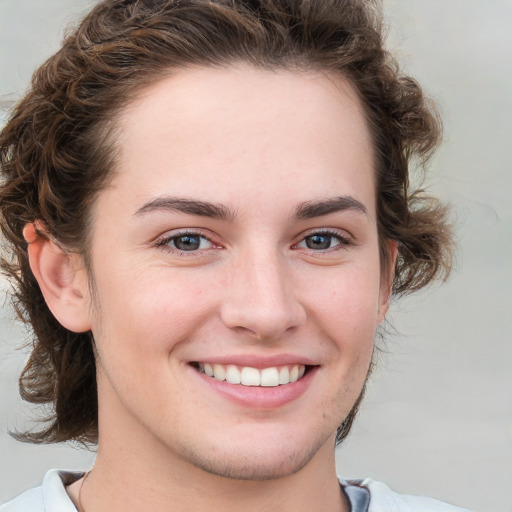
<point x="65" y="148"/>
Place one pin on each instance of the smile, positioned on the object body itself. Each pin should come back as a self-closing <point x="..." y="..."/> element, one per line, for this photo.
<point x="247" y="376"/>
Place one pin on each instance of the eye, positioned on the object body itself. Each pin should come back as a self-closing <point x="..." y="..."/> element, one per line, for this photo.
<point x="323" y="241"/>
<point x="186" y="242"/>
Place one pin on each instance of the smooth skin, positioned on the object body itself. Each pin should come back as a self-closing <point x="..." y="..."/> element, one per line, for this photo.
<point x="240" y="227"/>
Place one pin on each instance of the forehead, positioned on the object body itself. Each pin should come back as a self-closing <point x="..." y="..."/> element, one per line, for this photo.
<point x="246" y="131"/>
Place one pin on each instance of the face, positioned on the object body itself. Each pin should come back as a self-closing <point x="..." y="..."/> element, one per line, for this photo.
<point x="236" y="270"/>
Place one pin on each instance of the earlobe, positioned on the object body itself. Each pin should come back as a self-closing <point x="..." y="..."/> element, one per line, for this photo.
<point x="388" y="275"/>
<point x="61" y="278"/>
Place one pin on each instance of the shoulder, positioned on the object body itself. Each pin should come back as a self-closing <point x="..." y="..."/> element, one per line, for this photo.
<point x="50" y="496"/>
<point x="29" y="501"/>
<point x="383" y="499"/>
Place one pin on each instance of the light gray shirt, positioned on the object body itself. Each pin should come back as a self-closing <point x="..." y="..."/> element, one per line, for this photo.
<point x="364" y="496"/>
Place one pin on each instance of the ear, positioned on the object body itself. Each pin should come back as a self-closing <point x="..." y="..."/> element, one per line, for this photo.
<point x="387" y="278"/>
<point x="62" y="278"/>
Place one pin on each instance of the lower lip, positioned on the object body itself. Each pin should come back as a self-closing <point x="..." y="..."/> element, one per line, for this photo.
<point x="260" y="397"/>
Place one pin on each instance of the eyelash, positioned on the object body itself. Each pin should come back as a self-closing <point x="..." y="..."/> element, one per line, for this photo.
<point x="164" y="243"/>
<point x="343" y="240"/>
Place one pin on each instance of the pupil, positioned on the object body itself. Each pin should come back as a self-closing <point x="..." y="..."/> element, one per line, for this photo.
<point x="187" y="243"/>
<point x="318" y="242"/>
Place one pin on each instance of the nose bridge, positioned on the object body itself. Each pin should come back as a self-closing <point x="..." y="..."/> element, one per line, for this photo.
<point x="261" y="296"/>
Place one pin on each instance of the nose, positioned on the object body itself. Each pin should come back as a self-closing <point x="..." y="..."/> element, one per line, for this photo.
<point x="261" y="298"/>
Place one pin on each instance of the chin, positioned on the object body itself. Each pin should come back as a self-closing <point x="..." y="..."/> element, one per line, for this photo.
<point x="248" y="468"/>
<point x="268" y="459"/>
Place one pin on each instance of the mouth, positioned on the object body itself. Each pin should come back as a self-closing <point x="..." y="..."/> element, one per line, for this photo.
<point x="270" y="377"/>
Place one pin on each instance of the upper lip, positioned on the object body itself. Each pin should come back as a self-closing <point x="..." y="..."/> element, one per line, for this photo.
<point x="257" y="361"/>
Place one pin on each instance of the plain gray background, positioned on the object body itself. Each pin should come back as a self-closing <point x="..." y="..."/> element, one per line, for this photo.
<point x="438" y="415"/>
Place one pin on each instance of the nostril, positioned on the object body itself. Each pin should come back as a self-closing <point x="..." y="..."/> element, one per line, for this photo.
<point x="263" y="323"/>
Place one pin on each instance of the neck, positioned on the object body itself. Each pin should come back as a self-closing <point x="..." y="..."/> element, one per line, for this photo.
<point x="124" y="479"/>
<point x="119" y="484"/>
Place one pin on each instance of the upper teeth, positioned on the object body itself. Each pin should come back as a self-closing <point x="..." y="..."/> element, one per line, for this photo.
<point x="248" y="376"/>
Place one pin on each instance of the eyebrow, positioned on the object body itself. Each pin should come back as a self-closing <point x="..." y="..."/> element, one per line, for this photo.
<point x="306" y="210"/>
<point x="189" y="206"/>
<point x="312" y="209"/>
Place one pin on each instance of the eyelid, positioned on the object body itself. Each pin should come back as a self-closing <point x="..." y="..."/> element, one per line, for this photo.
<point x="163" y="240"/>
<point x="345" y="238"/>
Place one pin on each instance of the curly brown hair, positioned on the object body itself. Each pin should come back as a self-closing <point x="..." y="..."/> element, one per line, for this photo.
<point x="56" y="152"/>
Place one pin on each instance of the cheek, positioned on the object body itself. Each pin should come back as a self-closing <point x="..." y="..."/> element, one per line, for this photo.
<point x="149" y="311"/>
<point x="346" y="301"/>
